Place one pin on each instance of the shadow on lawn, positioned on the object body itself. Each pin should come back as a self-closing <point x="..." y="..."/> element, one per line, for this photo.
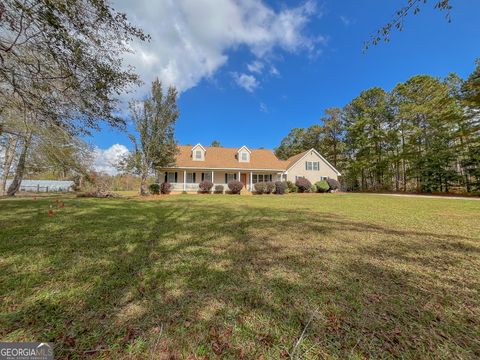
<point x="237" y="282"/>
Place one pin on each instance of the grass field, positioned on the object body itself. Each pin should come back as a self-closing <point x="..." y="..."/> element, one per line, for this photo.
<point x="253" y="277"/>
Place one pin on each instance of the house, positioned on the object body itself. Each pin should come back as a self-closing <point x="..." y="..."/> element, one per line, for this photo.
<point x="220" y="165"/>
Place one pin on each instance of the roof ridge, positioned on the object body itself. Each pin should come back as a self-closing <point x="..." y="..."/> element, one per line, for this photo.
<point x="225" y="147"/>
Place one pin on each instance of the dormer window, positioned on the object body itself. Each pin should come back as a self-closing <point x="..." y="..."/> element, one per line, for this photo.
<point x="243" y="154"/>
<point x="198" y="153"/>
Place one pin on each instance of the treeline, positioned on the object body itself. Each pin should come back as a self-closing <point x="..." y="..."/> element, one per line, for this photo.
<point x="423" y="136"/>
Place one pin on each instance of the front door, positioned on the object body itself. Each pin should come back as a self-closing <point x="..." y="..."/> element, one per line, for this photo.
<point x="243" y="179"/>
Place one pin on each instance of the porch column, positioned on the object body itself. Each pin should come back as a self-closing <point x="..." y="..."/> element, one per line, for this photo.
<point x="238" y="178"/>
<point x="213" y="179"/>
<point x="184" y="180"/>
<point x="251" y="181"/>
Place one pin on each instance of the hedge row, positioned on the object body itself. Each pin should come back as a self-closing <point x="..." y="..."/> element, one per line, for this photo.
<point x="279" y="187"/>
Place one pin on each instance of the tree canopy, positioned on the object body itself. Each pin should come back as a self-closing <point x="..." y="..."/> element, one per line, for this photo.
<point x="424" y="135"/>
<point x="155" y="146"/>
<point x="62" y="60"/>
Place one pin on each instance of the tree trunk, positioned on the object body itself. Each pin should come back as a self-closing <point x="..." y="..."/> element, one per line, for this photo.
<point x="20" y="169"/>
<point x="143" y="185"/>
<point x="397" y="176"/>
<point x="404" y="167"/>
<point x="143" y="177"/>
<point x="9" y="156"/>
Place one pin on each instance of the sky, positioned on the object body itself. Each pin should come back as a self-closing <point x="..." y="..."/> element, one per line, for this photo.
<point x="248" y="71"/>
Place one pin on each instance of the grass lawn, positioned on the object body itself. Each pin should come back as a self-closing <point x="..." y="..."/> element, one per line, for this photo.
<point x="219" y="276"/>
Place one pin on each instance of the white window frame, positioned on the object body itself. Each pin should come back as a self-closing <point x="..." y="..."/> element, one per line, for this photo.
<point x="256" y="178"/>
<point x="172" y="179"/>
<point x="207" y="176"/>
<point x="312" y="165"/>
<point x="190" y="178"/>
<point x="231" y="176"/>
<point x="198" y="153"/>
<point x="244" y="156"/>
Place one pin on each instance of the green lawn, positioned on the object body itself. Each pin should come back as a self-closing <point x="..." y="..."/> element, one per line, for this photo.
<point x="223" y="276"/>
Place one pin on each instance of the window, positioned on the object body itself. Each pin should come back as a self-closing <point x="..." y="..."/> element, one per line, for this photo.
<point x="230" y="177"/>
<point x="299" y="177"/>
<point x="198" y="154"/>
<point x="171" y="177"/>
<point x="190" y="178"/>
<point x="243" y="154"/>
<point x="261" y="178"/>
<point x="312" y="165"/>
<point x="207" y="176"/>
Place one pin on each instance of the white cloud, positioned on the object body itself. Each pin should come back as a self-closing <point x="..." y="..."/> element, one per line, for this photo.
<point x="274" y="71"/>
<point x="105" y="160"/>
<point x="345" y="20"/>
<point x="248" y="82"/>
<point x="191" y="39"/>
<point x="263" y="108"/>
<point x="255" y="67"/>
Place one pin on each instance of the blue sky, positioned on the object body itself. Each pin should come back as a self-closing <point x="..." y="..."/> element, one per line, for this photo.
<point x="256" y="82"/>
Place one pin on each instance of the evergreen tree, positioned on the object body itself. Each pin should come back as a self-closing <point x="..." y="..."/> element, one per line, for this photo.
<point x="332" y="144"/>
<point x="422" y="136"/>
<point x="366" y="122"/>
<point x="425" y="104"/>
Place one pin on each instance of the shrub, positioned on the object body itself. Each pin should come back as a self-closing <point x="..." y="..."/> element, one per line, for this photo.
<point x="260" y="187"/>
<point x="205" y="186"/>
<point x="303" y="185"/>
<point x="322" y="186"/>
<point x="280" y="187"/>
<point x="313" y="189"/>
<point x="154" y="189"/>
<point x="334" y="184"/>
<point x="235" y="186"/>
<point x="219" y="189"/>
<point x="291" y="186"/>
<point x="270" y="187"/>
<point x="166" y="188"/>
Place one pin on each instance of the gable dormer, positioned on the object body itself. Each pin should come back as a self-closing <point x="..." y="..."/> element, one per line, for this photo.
<point x="198" y="153"/>
<point x="243" y="154"/>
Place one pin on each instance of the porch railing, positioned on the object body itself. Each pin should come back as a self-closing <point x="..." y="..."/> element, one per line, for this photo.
<point x="195" y="187"/>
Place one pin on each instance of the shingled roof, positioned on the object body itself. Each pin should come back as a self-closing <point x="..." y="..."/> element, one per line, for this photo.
<point x="226" y="158"/>
<point x="292" y="160"/>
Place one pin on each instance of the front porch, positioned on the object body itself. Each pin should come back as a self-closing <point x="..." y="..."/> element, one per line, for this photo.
<point x="189" y="180"/>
